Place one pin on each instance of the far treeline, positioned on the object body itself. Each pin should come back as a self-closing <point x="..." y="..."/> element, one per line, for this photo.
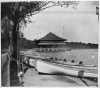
<point x="28" y="44"/>
<point x="80" y="45"/>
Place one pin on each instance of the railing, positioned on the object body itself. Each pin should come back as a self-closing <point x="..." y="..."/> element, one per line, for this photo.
<point x="5" y="70"/>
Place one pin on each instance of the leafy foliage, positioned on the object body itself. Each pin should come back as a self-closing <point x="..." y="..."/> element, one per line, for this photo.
<point x="14" y="10"/>
<point x="27" y="44"/>
<point x="6" y="28"/>
<point x="22" y="10"/>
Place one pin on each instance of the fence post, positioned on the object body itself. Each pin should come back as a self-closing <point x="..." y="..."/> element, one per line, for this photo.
<point x="8" y="70"/>
<point x="22" y="64"/>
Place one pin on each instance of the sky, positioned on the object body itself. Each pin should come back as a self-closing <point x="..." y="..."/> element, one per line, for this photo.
<point x="75" y="25"/>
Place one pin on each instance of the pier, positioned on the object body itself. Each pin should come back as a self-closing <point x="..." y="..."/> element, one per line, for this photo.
<point x="51" y="49"/>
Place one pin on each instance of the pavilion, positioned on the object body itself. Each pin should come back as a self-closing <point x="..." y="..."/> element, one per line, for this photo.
<point x="51" y="42"/>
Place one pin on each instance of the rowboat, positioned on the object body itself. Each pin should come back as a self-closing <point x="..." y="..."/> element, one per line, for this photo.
<point x="54" y="68"/>
<point x="84" y="65"/>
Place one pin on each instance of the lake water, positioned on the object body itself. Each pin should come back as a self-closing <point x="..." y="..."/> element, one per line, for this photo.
<point x="87" y="56"/>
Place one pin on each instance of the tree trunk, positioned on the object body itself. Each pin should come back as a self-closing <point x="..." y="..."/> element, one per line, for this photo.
<point x="15" y="46"/>
<point x="13" y="65"/>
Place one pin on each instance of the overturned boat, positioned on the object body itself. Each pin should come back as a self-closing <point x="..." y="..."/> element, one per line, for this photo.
<point x="54" y="68"/>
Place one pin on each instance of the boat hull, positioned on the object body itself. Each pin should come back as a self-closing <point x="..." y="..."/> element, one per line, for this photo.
<point x="49" y="68"/>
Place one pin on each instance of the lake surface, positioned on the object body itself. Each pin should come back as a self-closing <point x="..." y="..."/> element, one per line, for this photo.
<point x="87" y="56"/>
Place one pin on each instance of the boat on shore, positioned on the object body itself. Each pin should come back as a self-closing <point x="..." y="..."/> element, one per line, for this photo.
<point x="54" y="68"/>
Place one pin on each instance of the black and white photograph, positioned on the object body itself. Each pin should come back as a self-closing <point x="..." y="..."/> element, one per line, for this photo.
<point x="49" y="43"/>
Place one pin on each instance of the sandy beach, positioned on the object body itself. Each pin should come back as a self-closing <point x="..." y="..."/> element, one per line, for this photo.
<point x="32" y="78"/>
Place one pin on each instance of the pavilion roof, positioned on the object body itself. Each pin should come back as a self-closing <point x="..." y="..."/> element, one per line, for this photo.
<point x="51" y="36"/>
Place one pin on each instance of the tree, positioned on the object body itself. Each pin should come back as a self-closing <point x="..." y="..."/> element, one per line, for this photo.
<point x="6" y="28"/>
<point x="19" y="12"/>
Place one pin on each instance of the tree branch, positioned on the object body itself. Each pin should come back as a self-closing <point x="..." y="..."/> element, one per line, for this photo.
<point x="45" y="4"/>
<point x="45" y="8"/>
<point x="41" y="10"/>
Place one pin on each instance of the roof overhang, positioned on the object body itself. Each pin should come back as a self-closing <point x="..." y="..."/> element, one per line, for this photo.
<point x="51" y="37"/>
<point x="52" y="44"/>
